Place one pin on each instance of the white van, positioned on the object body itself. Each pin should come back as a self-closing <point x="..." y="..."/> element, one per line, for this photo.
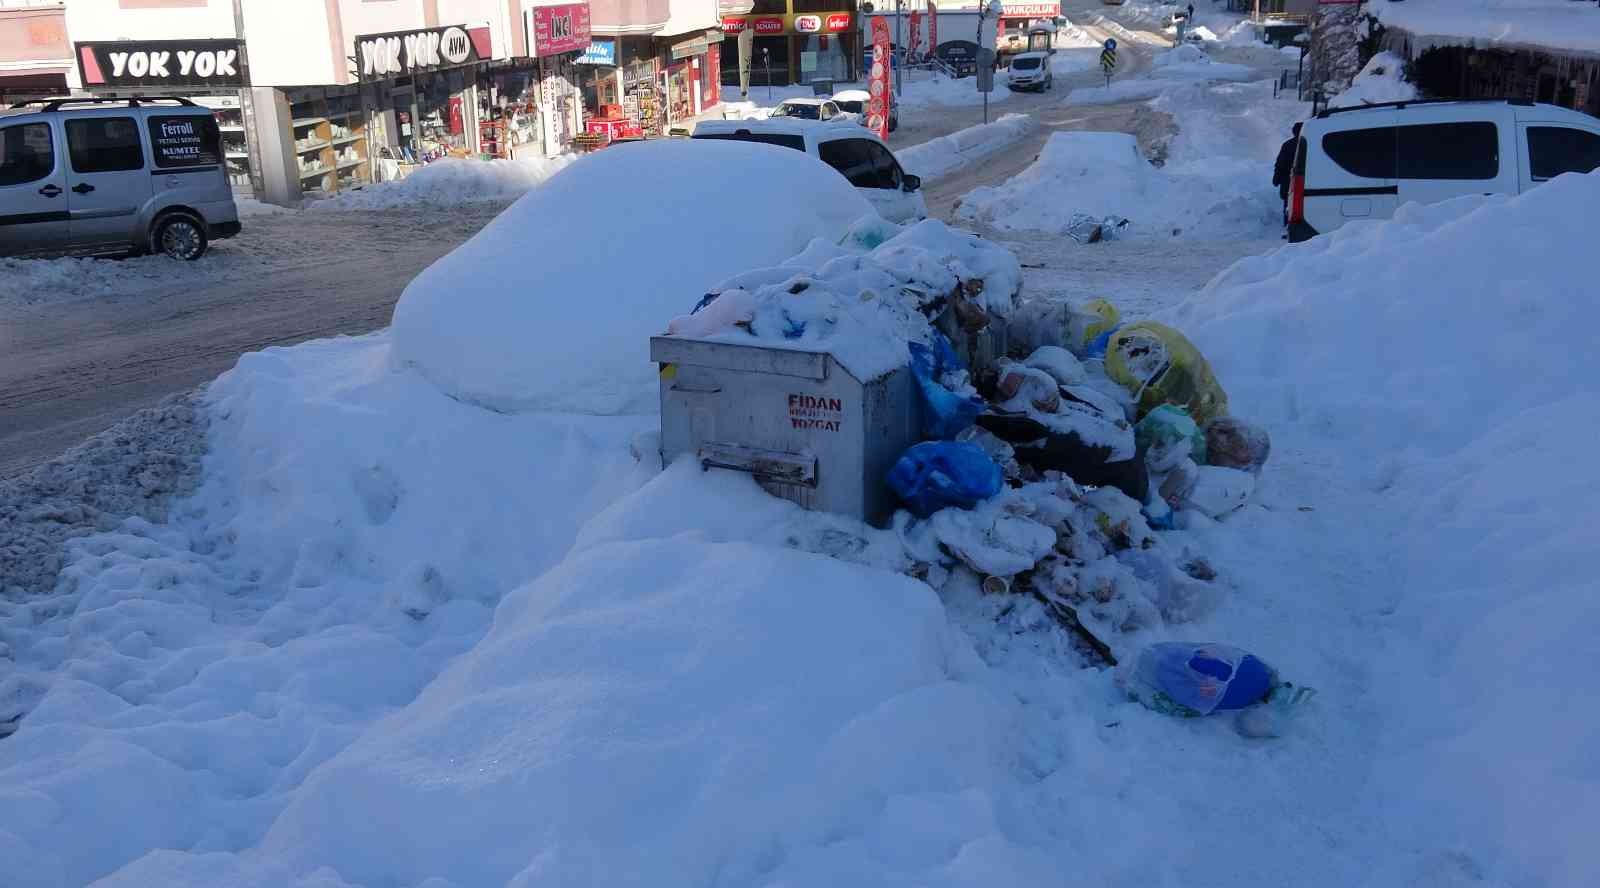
<point x="858" y="154"/>
<point x="88" y="176"/>
<point x="1363" y="162"/>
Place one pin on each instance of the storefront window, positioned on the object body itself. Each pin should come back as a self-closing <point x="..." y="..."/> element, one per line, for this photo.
<point x="601" y="98"/>
<point x="512" y="104"/>
<point x="441" y="123"/>
<point x="825" y="57"/>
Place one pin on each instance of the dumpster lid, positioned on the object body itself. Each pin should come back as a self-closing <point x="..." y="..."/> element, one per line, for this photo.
<point x="779" y="361"/>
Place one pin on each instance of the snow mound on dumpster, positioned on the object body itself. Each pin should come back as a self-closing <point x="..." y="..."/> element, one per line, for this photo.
<point x="551" y="306"/>
<point x="861" y="307"/>
<point x="1448" y="356"/>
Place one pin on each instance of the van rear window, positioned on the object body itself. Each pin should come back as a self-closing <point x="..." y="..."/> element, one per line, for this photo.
<point x="1553" y="150"/>
<point x="185" y="140"/>
<point x="1456" y="151"/>
<point x="784" y="140"/>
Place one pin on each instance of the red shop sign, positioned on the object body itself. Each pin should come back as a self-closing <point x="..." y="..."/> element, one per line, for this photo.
<point x="839" y="21"/>
<point x="808" y="24"/>
<point x="769" y="26"/>
<point x="554" y="30"/>
<point x="734" y="25"/>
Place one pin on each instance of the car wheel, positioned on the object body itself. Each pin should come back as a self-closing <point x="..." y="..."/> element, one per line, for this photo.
<point x="180" y="237"/>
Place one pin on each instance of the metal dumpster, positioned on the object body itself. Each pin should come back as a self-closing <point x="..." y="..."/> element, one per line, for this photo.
<point x="798" y="421"/>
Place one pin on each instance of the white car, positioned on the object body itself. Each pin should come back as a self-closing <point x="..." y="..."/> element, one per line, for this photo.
<point x="1030" y="70"/>
<point x="1363" y="162"/>
<point x="855" y="101"/>
<point x="821" y="110"/>
<point x="858" y="154"/>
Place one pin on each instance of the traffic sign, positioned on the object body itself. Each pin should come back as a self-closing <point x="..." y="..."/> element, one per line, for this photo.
<point x="1111" y="44"/>
<point x="1108" y="60"/>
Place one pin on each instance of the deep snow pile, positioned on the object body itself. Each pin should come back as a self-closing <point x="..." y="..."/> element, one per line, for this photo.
<point x="1190" y="62"/>
<point x="1561" y="24"/>
<point x="450" y="181"/>
<point x="1421" y="345"/>
<point x="1382" y="79"/>
<point x="946" y="154"/>
<point x="537" y="312"/>
<point x="1210" y="185"/>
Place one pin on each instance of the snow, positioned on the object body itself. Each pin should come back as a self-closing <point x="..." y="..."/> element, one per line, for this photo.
<point x="1190" y="62"/>
<point x="539" y="311"/>
<point x="946" y="154"/>
<point x="861" y="307"/>
<point x="1381" y="80"/>
<point x="450" y="181"/>
<point x="1502" y="24"/>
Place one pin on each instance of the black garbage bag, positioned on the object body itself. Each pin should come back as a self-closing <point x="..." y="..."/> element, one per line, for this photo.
<point x="1045" y="449"/>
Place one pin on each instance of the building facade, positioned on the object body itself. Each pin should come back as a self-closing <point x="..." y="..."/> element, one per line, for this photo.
<point x="35" y="54"/>
<point x="319" y="96"/>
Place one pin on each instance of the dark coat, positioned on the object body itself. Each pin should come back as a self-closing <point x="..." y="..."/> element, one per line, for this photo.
<point x="1283" y="167"/>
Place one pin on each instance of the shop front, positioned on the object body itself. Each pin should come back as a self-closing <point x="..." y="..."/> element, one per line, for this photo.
<point x="557" y="36"/>
<point x="693" y="82"/>
<point x="1016" y="18"/>
<point x="419" y="90"/>
<point x="796" y="41"/>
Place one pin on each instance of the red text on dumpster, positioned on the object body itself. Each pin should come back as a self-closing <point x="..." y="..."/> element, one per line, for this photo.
<point x="812" y="412"/>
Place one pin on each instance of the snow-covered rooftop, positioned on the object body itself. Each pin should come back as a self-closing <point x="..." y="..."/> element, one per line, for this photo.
<point x="1506" y="24"/>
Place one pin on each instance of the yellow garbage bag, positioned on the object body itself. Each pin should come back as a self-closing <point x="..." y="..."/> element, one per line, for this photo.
<point x="1087" y="322"/>
<point x="1159" y="365"/>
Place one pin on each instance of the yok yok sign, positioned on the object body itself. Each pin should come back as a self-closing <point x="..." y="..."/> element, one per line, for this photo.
<point x="408" y="52"/>
<point x="208" y="63"/>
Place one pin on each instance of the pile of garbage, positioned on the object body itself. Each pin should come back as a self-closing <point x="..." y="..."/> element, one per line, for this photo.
<point x="1059" y="443"/>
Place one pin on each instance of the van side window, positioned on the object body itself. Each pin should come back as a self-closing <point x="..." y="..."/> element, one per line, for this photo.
<point x="185" y="140"/>
<point x="1468" y="150"/>
<point x="1553" y="150"/>
<point x="27" y="153"/>
<point x="1368" y="153"/>
<point x="884" y="164"/>
<point x="104" y="144"/>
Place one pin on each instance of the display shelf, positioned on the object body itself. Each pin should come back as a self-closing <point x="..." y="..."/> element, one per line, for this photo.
<point x="308" y="121"/>
<point x="353" y="137"/>
<point x="318" y="146"/>
<point x="312" y="174"/>
<point x="238" y="155"/>
<point x="347" y="164"/>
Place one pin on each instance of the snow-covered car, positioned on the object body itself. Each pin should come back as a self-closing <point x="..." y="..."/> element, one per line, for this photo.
<point x="1030" y="70"/>
<point x="1363" y="162"/>
<point x="820" y="110"/>
<point x="858" y="154"/>
<point x="854" y="101"/>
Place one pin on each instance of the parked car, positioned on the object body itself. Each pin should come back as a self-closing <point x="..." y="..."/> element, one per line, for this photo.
<point x="858" y="154"/>
<point x="1364" y="162"/>
<point x="1030" y="70"/>
<point x="822" y="110"/>
<point x="854" y="101"/>
<point x="93" y="176"/>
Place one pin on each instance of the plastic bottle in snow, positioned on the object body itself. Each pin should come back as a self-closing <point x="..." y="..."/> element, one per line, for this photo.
<point x="1191" y="680"/>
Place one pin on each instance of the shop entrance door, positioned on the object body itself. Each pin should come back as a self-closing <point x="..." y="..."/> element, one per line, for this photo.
<point x="403" y="102"/>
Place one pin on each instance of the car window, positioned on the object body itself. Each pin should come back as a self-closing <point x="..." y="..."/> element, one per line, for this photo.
<point x="803" y="112"/>
<point x="1368" y="153"/>
<point x="1024" y="64"/>
<point x="785" y="140"/>
<point x="104" y="144"/>
<point x="852" y="107"/>
<point x="27" y="153"/>
<point x="185" y="140"/>
<point x="1468" y="150"/>
<point x="884" y="166"/>
<point x="1553" y="150"/>
<point x="850" y="158"/>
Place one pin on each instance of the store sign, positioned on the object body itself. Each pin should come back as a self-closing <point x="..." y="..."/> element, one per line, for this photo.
<point x="687" y="48"/>
<point x="160" y="63"/>
<point x="768" y="26"/>
<point x="601" y="51"/>
<point x="837" y="21"/>
<point x="555" y="30"/>
<point x="407" y="52"/>
<point x="808" y="24"/>
<point x="831" y="22"/>
<point x="1035" y="10"/>
<point x="735" y="25"/>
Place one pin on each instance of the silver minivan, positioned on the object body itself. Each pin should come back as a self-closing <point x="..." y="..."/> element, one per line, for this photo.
<point x="89" y="176"/>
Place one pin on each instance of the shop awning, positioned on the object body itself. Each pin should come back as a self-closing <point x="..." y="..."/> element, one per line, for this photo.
<point x="683" y="23"/>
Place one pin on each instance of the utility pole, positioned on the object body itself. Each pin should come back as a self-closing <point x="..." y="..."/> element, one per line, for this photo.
<point x="247" y="107"/>
<point x="900" y="47"/>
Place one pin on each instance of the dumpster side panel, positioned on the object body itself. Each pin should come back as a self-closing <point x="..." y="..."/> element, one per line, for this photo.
<point x="893" y="423"/>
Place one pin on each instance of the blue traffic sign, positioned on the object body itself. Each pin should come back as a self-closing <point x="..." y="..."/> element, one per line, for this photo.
<point x="1111" y="44"/>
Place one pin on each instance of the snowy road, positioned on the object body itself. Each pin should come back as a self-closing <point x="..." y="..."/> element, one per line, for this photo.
<point x="73" y="367"/>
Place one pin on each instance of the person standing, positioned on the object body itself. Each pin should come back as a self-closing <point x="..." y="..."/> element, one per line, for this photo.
<point x="1283" y="168"/>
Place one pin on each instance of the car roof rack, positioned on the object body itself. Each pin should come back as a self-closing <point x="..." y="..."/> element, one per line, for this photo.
<point x="131" y="102"/>
<point x="1328" y="112"/>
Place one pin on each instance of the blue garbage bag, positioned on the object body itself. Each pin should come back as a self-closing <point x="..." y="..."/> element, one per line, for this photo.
<point x="937" y="474"/>
<point x="1189" y="679"/>
<point x="945" y="414"/>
